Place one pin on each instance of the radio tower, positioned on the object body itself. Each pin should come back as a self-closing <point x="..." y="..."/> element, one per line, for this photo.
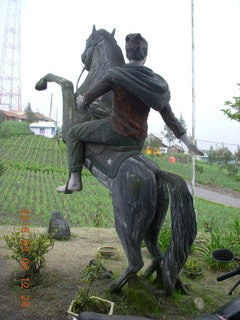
<point x="10" y="65"/>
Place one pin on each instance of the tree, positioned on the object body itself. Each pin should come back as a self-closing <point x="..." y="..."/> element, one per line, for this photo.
<point x="224" y="155"/>
<point x="153" y="141"/>
<point x="168" y="134"/>
<point x="237" y="155"/>
<point x="221" y="156"/>
<point x="30" y="116"/>
<point x="212" y="156"/>
<point x="234" y="111"/>
<point x="183" y="122"/>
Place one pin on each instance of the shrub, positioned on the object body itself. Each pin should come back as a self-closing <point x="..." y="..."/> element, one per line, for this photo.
<point x="193" y="265"/>
<point x="28" y="250"/>
<point x="83" y="301"/>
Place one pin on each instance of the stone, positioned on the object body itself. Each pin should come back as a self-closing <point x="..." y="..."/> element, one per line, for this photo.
<point x="59" y="227"/>
<point x="199" y="304"/>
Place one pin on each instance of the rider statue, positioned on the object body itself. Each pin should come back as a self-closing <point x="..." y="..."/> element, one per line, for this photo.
<point x="136" y="89"/>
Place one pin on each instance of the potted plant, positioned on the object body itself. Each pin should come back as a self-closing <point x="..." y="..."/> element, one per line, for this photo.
<point x="193" y="267"/>
<point x="83" y="300"/>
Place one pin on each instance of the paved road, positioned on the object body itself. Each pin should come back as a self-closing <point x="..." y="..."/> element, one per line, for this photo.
<point x="216" y="196"/>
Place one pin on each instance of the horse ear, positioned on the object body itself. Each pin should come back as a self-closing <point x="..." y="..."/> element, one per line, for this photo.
<point x="113" y="33"/>
<point x="94" y="29"/>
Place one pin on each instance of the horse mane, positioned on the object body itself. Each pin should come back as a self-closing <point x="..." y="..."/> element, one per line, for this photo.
<point x="110" y="38"/>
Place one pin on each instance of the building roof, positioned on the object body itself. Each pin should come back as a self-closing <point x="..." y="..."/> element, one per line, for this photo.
<point x="14" y="114"/>
<point x="22" y="116"/>
<point x="43" y="124"/>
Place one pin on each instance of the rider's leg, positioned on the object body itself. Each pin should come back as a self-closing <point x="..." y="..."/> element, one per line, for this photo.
<point x="97" y="131"/>
<point x="75" y="160"/>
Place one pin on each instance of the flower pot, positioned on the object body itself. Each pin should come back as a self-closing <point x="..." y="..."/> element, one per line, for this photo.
<point x="108" y="252"/>
<point x="193" y="274"/>
<point x="109" y="303"/>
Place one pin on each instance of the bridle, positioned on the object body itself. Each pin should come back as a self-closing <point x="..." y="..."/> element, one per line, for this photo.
<point x="84" y="68"/>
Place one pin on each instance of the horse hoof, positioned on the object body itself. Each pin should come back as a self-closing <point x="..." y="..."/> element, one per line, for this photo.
<point x="114" y="288"/>
<point x="41" y="85"/>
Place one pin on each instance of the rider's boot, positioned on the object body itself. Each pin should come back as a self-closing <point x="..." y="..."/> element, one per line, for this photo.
<point x="74" y="184"/>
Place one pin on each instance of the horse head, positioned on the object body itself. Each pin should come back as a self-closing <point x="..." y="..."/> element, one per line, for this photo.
<point x="96" y="37"/>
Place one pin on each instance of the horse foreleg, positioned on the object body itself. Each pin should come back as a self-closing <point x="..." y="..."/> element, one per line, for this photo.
<point x="42" y="83"/>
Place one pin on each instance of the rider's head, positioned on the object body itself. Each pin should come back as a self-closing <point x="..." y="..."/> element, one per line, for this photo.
<point x="136" y="47"/>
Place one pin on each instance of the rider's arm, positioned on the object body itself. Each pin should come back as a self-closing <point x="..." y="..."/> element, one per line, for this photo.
<point x="172" y="122"/>
<point x="97" y="91"/>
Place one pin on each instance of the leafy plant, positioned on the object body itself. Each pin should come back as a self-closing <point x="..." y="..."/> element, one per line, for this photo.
<point x="220" y="239"/>
<point x="2" y="167"/>
<point x="98" y="217"/>
<point x="28" y="250"/>
<point x="83" y="300"/>
<point x="193" y="265"/>
<point x="233" y="112"/>
<point x="164" y="237"/>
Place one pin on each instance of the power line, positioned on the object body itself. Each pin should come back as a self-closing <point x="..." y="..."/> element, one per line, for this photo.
<point x="199" y="140"/>
<point x="222" y="142"/>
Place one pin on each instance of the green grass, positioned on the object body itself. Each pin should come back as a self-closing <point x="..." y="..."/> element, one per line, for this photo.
<point x="212" y="174"/>
<point x="36" y="165"/>
<point x="221" y="215"/>
<point x="13" y="128"/>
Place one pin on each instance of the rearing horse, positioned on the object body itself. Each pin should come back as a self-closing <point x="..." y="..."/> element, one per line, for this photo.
<point x="140" y="190"/>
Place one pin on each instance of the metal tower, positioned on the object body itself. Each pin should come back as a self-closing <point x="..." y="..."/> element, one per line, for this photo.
<point x="10" y="65"/>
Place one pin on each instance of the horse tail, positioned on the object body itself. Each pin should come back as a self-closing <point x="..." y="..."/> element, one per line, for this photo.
<point x="183" y="225"/>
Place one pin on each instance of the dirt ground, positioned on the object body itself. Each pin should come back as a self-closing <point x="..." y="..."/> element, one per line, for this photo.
<point x="51" y="299"/>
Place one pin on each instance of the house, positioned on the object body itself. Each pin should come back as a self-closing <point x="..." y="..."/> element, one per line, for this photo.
<point x="44" y="128"/>
<point x="154" y="145"/>
<point x="204" y="157"/>
<point x="175" y="149"/>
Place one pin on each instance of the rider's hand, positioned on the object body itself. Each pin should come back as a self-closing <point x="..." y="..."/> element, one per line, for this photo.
<point x="191" y="146"/>
<point x="85" y="103"/>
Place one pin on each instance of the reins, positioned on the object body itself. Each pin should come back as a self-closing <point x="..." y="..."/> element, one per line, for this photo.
<point x="84" y="68"/>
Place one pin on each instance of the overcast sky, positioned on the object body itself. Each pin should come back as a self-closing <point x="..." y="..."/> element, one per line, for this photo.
<point x="54" y="34"/>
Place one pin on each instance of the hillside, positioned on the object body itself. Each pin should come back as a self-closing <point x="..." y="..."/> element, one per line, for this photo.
<point x="36" y="165"/>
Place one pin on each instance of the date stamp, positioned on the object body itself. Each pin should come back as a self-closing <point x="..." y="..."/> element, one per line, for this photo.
<point x="25" y="262"/>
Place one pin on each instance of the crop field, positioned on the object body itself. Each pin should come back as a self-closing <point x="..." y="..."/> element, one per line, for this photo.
<point x="36" y="165"/>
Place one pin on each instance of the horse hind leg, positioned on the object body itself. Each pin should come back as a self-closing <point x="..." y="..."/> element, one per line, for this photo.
<point x="152" y="234"/>
<point x="134" y="202"/>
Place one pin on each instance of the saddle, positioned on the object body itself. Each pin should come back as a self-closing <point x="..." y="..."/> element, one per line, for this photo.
<point x="108" y="158"/>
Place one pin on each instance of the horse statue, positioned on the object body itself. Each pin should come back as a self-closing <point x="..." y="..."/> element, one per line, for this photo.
<point x="141" y="192"/>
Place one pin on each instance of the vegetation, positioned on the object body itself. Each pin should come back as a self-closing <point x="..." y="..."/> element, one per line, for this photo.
<point x="82" y="300"/>
<point x="233" y="112"/>
<point x="193" y="266"/>
<point x="29" y="250"/>
<point x="14" y="129"/>
<point x="35" y="165"/>
<point x="30" y="116"/>
<point x="220" y="238"/>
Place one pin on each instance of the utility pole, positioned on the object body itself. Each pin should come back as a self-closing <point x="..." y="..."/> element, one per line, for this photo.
<point x="50" y="111"/>
<point x="193" y="100"/>
<point x="10" y="64"/>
